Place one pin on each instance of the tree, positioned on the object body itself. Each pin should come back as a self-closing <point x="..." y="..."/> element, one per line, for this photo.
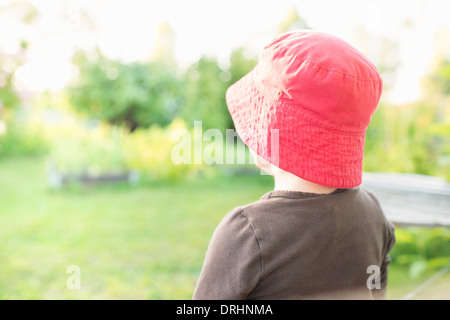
<point x="438" y="81"/>
<point x="204" y="94"/>
<point x="436" y="93"/>
<point x="9" y="98"/>
<point x="9" y="62"/>
<point x="205" y="88"/>
<point x="135" y="95"/>
<point x="241" y="62"/>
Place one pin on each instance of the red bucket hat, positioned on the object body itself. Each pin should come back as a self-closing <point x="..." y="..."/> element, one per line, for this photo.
<point x="306" y="106"/>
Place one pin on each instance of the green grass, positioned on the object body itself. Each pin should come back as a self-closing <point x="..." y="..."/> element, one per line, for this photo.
<point x="145" y="242"/>
<point x="400" y="285"/>
<point x="141" y="242"/>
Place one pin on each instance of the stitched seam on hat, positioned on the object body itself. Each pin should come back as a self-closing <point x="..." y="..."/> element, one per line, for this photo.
<point x="350" y="164"/>
<point x="322" y="173"/>
<point x="326" y="173"/>
<point x="358" y="160"/>
<point x="318" y="123"/>
<point x="300" y="59"/>
<point x="235" y="114"/>
<point x="330" y="141"/>
<point x="310" y="119"/>
<point x="325" y="151"/>
<point x="302" y="116"/>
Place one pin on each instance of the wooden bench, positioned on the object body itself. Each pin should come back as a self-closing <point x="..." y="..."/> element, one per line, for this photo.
<point x="410" y="199"/>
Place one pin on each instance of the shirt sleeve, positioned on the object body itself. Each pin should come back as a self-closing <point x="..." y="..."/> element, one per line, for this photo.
<point x="233" y="261"/>
<point x="381" y="293"/>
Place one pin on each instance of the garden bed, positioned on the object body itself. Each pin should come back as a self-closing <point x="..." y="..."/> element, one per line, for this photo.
<point x="57" y="179"/>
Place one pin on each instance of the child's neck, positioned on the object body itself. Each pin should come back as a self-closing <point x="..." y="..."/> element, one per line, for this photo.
<point x="290" y="182"/>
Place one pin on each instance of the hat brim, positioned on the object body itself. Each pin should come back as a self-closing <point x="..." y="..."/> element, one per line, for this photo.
<point x="293" y="141"/>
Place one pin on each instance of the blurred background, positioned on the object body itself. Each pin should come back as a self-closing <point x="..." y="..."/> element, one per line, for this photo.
<point x="91" y="92"/>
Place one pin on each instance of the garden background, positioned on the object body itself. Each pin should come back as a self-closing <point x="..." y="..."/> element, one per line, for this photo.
<point x="86" y="123"/>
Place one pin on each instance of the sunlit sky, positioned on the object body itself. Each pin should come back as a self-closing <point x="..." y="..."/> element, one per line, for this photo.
<point x="126" y="30"/>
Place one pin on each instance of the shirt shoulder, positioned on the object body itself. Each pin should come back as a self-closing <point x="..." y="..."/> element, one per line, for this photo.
<point x="233" y="261"/>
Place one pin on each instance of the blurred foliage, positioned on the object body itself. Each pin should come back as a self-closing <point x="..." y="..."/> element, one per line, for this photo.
<point x="9" y="62"/>
<point x="204" y="94"/>
<point x="206" y="83"/>
<point x="96" y="148"/>
<point x="147" y="97"/>
<point x="438" y="81"/>
<point x="397" y="140"/>
<point x="21" y="134"/>
<point x="241" y="62"/>
<point x="413" y="137"/>
<point x="79" y="148"/>
<point x="135" y="95"/>
<point x="9" y="98"/>
<point x="437" y="92"/>
<point x="420" y="250"/>
<point x="144" y="94"/>
<point x="149" y="150"/>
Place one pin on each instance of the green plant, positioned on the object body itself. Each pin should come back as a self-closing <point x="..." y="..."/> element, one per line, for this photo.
<point x="134" y="95"/>
<point x="150" y="152"/>
<point x="399" y="140"/>
<point x="21" y="135"/>
<point x="204" y="95"/>
<point x="420" y="250"/>
<point x="98" y="148"/>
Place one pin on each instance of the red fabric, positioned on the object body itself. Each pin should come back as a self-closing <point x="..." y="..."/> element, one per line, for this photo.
<point x="315" y="94"/>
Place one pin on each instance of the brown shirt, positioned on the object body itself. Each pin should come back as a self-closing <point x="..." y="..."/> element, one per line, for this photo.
<point x="295" y="245"/>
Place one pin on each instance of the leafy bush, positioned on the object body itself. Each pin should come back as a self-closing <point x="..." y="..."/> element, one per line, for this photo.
<point x="134" y="95"/>
<point x="205" y="84"/>
<point x="420" y="250"/>
<point x="139" y="95"/>
<point x="77" y="147"/>
<point x="204" y="95"/>
<point x="21" y="135"/>
<point x="399" y="139"/>
<point x="150" y="151"/>
<point x="97" y="148"/>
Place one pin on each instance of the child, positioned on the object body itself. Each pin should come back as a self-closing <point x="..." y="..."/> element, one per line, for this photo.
<point x="303" y="112"/>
